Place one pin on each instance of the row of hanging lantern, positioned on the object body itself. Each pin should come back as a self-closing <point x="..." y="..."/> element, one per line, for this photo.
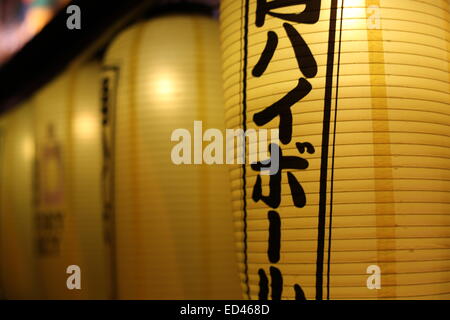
<point x="104" y="196"/>
<point x="358" y="209"/>
<point x="50" y="195"/>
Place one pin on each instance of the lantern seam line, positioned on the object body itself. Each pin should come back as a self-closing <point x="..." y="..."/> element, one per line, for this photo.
<point x="334" y="151"/>
<point x="324" y="150"/>
<point x="244" y="123"/>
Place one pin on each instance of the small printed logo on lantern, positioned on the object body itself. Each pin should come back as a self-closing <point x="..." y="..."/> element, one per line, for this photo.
<point x="221" y="147"/>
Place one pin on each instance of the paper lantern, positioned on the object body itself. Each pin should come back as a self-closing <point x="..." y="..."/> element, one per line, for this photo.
<point x="68" y="209"/>
<point x="17" y="259"/>
<point x="360" y="93"/>
<point x="173" y="222"/>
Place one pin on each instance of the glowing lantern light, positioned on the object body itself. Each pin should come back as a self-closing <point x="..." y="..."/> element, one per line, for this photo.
<point x="360" y="92"/>
<point x="173" y="224"/>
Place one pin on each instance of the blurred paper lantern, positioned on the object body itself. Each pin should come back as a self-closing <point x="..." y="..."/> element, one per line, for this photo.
<point x="173" y="222"/>
<point x="360" y="92"/>
<point x="17" y="258"/>
<point x="69" y="226"/>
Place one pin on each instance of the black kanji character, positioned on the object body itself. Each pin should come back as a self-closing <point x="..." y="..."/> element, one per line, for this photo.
<point x="305" y="59"/>
<point x="282" y="108"/>
<point x="273" y="200"/>
<point x="276" y="284"/>
<point x="309" y="15"/>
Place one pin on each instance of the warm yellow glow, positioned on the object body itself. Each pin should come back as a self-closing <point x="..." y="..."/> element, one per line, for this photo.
<point x="173" y="85"/>
<point x="355" y="3"/>
<point x="355" y="11"/>
<point x="355" y="15"/>
<point x="27" y="148"/>
<point x="164" y="85"/>
<point x="85" y="126"/>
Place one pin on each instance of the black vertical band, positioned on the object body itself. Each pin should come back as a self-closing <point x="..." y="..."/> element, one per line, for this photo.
<point x="244" y="125"/>
<point x="330" y="225"/>
<point x="274" y="243"/>
<point x="325" y="151"/>
<point x="109" y="119"/>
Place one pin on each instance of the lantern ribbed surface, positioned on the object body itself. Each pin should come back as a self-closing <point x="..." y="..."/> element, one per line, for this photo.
<point x="377" y="114"/>
<point x="173" y="223"/>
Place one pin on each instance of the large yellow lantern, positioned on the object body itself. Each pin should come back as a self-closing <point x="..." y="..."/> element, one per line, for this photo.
<point x="68" y="191"/>
<point x="173" y="225"/>
<point x="359" y="90"/>
<point x="17" y="251"/>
